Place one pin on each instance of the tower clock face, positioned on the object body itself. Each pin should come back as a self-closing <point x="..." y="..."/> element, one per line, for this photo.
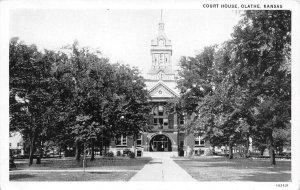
<point x="160" y="75"/>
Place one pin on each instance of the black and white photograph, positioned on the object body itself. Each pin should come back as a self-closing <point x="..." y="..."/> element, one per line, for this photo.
<point x="161" y="93"/>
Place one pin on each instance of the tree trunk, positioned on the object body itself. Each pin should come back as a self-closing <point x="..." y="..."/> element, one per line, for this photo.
<point x="31" y="150"/>
<point x="39" y="153"/>
<point x="272" y="150"/>
<point x="230" y="150"/>
<point x="77" y="151"/>
<point x="101" y="149"/>
<point x="262" y="149"/>
<point x="134" y="144"/>
<point x="247" y="147"/>
<point x="92" y="151"/>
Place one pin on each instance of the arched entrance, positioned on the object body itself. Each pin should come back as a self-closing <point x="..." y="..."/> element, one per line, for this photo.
<point x="160" y="143"/>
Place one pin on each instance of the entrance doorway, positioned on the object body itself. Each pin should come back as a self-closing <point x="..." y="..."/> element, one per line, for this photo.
<point x="160" y="143"/>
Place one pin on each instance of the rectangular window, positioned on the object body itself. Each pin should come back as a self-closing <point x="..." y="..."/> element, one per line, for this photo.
<point x="121" y="140"/>
<point x="139" y="139"/>
<point x="165" y="121"/>
<point x="155" y="111"/>
<point x="161" y="121"/>
<point x="124" y="140"/>
<point x="199" y="141"/>
<point x="155" y="121"/>
<point x="160" y="110"/>
<point x="202" y="142"/>
<point x="181" y="120"/>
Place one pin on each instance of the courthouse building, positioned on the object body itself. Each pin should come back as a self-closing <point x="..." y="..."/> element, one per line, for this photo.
<point x="164" y="135"/>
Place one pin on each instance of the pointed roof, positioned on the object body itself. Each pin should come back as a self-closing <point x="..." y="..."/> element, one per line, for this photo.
<point x="165" y="91"/>
<point x="161" y="34"/>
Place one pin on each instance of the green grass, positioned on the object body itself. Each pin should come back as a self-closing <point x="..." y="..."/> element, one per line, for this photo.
<point x="71" y="176"/>
<point x="130" y="167"/>
<point x="119" y="163"/>
<point x="223" y="169"/>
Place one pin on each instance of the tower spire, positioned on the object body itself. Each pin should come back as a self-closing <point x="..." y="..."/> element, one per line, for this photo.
<point x="161" y="25"/>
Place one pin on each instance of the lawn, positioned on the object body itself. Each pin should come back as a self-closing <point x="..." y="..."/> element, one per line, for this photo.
<point x="101" y="169"/>
<point x="71" y="176"/>
<point x="223" y="169"/>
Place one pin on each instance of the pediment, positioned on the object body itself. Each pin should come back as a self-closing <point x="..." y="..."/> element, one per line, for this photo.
<point x="162" y="91"/>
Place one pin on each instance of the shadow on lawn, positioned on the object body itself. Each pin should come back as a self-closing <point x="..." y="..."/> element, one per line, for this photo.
<point x="263" y="177"/>
<point x="20" y="176"/>
<point x="98" y="162"/>
<point x="100" y="173"/>
<point x="238" y="169"/>
<point x="155" y="162"/>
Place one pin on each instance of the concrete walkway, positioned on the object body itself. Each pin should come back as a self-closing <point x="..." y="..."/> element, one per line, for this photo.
<point x="162" y="168"/>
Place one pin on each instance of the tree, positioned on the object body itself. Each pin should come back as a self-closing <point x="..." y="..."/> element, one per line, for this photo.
<point x="241" y="89"/>
<point x="208" y="93"/>
<point x="102" y="93"/>
<point x="262" y="57"/>
<point x="31" y="98"/>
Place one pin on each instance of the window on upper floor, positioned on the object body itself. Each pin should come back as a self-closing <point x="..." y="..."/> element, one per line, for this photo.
<point x="139" y="139"/>
<point x="181" y="120"/>
<point x="160" y="110"/>
<point x="158" y="121"/>
<point x="199" y="141"/>
<point x="166" y="121"/>
<point x="121" y="140"/>
<point x="155" y="121"/>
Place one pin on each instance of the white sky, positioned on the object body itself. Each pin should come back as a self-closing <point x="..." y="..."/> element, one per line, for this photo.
<point x="123" y="35"/>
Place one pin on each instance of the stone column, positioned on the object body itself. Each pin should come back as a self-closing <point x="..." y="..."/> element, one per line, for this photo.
<point x="175" y="119"/>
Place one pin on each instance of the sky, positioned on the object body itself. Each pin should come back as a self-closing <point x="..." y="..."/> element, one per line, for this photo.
<point x="123" y="36"/>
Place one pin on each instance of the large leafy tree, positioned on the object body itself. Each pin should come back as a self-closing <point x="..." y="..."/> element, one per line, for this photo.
<point x="247" y="89"/>
<point x="262" y="57"/>
<point x="73" y="96"/>
<point x="107" y="99"/>
<point x="31" y="93"/>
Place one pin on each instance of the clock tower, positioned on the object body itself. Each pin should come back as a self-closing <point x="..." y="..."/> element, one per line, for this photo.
<point x="161" y="54"/>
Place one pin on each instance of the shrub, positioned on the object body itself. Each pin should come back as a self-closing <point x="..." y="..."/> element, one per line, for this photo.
<point x="131" y="155"/>
<point x="118" y="153"/>
<point x="109" y="154"/>
<point x="191" y="152"/>
<point x="208" y="152"/>
<point x="126" y="151"/>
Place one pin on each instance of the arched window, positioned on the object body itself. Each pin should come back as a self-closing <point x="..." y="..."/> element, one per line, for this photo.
<point x="161" y="42"/>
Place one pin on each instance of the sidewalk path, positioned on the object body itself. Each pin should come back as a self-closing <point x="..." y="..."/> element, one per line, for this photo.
<point x="162" y="169"/>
